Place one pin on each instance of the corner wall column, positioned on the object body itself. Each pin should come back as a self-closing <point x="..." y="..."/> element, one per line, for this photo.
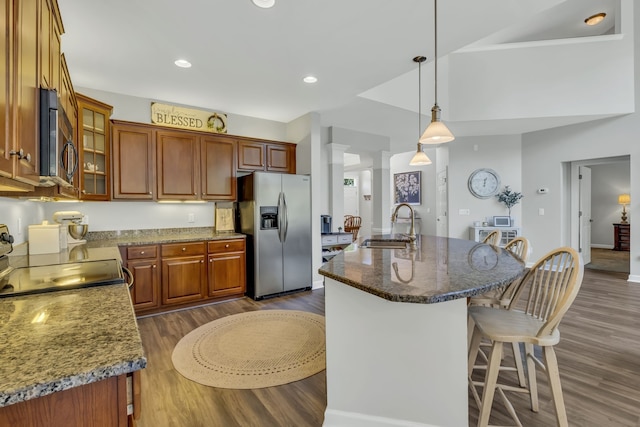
<point x="336" y="182"/>
<point x="381" y="186"/>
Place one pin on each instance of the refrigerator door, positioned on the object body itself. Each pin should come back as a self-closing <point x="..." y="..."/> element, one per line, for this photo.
<point x="297" y="242"/>
<point x="268" y="277"/>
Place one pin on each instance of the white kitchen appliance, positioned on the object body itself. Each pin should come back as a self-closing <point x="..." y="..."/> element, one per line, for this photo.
<point x="73" y="223"/>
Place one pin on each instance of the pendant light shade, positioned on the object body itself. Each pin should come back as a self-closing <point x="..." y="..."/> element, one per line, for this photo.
<point x="420" y="158"/>
<point x="437" y="132"/>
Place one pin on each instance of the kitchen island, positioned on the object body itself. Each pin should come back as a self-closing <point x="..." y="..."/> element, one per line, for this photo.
<point x="396" y="330"/>
<point x="67" y="353"/>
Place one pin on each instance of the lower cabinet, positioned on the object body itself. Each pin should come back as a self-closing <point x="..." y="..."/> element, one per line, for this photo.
<point x="227" y="268"/>
<point x="143" y="262"/>
<point x="171" y="275"/>
<point x="99" y="404"/>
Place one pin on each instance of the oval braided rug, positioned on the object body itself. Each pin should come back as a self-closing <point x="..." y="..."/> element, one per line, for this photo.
<point x="253" y="350"/>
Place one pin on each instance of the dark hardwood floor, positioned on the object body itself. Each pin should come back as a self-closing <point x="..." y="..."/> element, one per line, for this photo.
<point x="598" y="355"/>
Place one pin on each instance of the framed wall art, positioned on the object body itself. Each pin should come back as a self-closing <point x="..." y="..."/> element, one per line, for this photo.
<point x="407" y="187"/>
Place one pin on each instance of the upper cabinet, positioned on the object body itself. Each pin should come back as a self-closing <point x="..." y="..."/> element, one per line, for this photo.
<point x="93" y="145"/>
<point x="217" y="168"/>
<point x="256" y="155"/>
<point x="134" y="158"/>
<point x="177" y="165"/>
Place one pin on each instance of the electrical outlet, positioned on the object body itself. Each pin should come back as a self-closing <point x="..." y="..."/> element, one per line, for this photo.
<point x="464" y="212"/>
<point x="541" y="211"/>
<point x="191" y="218"/>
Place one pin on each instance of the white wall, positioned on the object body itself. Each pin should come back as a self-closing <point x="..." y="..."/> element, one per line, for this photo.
<point x="427" y="209"/>
<point x="607" y="182"/>
<point x="17" y="215"/>
<point x="502" y="153"/>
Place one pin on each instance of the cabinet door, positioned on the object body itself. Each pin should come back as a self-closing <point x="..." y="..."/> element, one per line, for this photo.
<point x="93" y="146"/>
<point x="183" y="279"/>
<point x="6" y="53"/>
<point x="26" y="96"/>
<point x="218" y="168"/>
<point x="178" y="166"/>
<point x="279" y="159"/>
<point x="227" y="274"/>
<point x="133" y="162"/>
<point x="146" y="286"/>
<point x="251" y="155"/>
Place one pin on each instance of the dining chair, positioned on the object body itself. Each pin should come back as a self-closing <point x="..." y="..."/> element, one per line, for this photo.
<point x="352" y="225"/>
<point x="532" y="317"/>
<point x="500" y="298"/>
<point x="493" y="238"/>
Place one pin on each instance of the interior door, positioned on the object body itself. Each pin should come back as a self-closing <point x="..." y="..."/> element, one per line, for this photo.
<point x="585" y="212"/>
<point x="351" y="201"/>
<point x="442" y="220"/>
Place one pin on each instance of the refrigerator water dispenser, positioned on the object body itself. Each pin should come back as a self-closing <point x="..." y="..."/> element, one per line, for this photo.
<point x="268" y="217"/>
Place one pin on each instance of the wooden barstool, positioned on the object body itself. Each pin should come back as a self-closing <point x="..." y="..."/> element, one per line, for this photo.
<point x="540" y="301"/>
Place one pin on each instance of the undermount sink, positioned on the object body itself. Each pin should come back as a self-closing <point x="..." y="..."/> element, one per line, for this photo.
<point x="384" y="244"/>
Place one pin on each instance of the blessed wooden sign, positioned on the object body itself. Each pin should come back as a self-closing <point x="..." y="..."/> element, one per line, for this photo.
<point x="188" y="118"/>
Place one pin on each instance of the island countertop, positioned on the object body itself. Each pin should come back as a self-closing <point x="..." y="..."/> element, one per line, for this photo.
<point x="440" y="269"/>
<point x="58" y="340"/>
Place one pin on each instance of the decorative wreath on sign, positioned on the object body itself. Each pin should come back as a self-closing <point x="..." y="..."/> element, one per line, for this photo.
<point x="218" y="123"/>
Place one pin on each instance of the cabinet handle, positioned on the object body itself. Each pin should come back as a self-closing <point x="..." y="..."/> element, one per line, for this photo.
<point x="226" y="246"/>
<point x="201" y="261"/>
<point x="150" y="193"/>
<point x="141" y="252"/>
<point x="184" y="249"/>
<point x="21" y="155"/>
<point x="154" y="266"/>
<point x="211" y="260"/>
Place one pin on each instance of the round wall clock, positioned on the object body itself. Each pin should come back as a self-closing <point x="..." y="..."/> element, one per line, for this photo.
<point x="484" y="183"/>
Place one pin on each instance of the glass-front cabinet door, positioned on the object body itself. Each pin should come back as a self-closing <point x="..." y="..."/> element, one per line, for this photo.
<point x="93" y="147"/>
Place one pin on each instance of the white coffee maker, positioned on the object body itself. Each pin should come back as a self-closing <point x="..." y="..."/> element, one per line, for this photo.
<point x="73" y="222"/>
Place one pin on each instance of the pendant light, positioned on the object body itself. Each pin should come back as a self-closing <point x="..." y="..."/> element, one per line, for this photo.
<point x="437" y="132"/>
<point x="420" y="158"/>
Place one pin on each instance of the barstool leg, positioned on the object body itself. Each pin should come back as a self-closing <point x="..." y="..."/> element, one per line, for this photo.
<point x="553" y="374"/>
<point x="531" y="370"/>
<point x="519" y="367"/>
<point x="491" y="378"/>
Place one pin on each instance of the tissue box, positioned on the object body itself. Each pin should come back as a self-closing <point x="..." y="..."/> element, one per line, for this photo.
<point x="45" y="238"/>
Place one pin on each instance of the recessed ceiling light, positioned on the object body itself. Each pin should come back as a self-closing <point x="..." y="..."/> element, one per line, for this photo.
<point x="310" y="79"/>
<point x="183" y="63"/>
<point x="595" y="19"/>
<point x="265" y="4"/>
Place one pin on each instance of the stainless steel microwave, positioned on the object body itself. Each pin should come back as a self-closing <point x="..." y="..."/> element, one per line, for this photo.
<point x="58" y="154"/>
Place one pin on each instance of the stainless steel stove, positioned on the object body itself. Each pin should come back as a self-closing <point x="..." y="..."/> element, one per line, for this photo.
<point x="55" y="277"/>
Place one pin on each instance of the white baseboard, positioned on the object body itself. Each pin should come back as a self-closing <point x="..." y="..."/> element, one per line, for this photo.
<point x="634" y="278"/>
<point x="598" y="246"/>
<point x="317" y="284"/>
<point x="334" y="418"/>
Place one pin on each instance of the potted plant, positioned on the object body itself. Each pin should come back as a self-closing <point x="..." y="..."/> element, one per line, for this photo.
<point x="509" y="198"/>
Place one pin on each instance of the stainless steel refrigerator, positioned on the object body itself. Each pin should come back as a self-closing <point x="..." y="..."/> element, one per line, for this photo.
<point x="275" y="214"/>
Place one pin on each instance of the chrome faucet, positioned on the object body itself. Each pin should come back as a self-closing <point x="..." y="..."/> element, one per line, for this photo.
<point x="412" y="230"/>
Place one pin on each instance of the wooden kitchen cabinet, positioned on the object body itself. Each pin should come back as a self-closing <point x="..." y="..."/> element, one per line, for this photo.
<point x="217" y="168"/>
<point x="226" y="268"/>
<point x="26" y="96"/>
<point x="51" y="30"/>
<point x="98" y="404"/>
<point x="134" y="159"/>
<point x="258" y="155"/>
<point x="184" y="275"/>
<point x="94" y="148"/>
<point x="143" y="263"/>
<point x="178" y="168"/>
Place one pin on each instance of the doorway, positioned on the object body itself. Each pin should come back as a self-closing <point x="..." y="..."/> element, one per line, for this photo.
<point x="594" y="210"/>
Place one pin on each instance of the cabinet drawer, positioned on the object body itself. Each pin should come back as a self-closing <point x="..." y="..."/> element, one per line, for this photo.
<point x="142" y="252"/>
<point x="182" y="249"/>
<point x="345" y="238"/>
<point x="222" y="246"/>
<point x="329" y="240"/>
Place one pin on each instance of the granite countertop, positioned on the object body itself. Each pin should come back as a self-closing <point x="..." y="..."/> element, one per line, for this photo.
<point x="155" y="236"/>
<point x="440" y="269"/>
<point x="59" y="340"/>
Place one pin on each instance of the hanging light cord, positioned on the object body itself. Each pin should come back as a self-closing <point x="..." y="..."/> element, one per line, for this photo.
<point x="435" y="30"/>
<point x="419" y="98"/>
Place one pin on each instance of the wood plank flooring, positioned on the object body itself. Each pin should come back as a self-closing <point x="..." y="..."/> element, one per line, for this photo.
<point x="598" y="355"/>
